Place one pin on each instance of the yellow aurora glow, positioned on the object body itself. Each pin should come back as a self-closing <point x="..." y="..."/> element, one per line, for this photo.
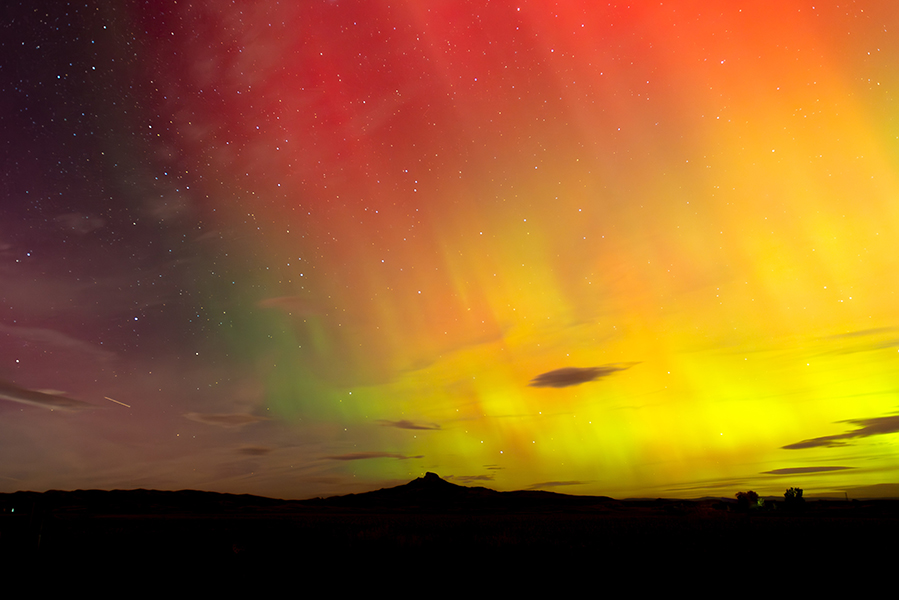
<point x="719" y="209"/>
<point x="403" y="213"/>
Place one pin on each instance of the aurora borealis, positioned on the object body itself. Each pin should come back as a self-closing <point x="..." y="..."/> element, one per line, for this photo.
<point x="321" y="247"/>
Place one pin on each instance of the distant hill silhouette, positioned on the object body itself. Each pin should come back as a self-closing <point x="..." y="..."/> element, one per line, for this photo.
<point x="430" y="493"/>
<point x="433" y="492"/>
<point x="411" y="524"/>
<point x="139" y="501"/>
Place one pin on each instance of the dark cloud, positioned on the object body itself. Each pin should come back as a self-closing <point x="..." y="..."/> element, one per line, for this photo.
<point x="544" y="484"/>
<point x="404" y="424"/>
<point x="866" y="428"/>
<point x="50" y="338"/>
<point x="708" y="485"/>
<point x="828" y="441"/>
<point x="800" y="470"/>
<point x="368" y="455"/>
<point x="866" y="340"/>
<point x="878" y="490"/>
<point x="863" y="333"/>
<point x="254" y="450"/>
<point x="569" y="376"/>
<point x="225" y="420"/>
<point x="470" y="478"/>
<point x="10" y="391"/>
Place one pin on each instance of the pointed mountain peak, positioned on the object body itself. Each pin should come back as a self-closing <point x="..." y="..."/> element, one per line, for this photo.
<point x="431" y="481"/>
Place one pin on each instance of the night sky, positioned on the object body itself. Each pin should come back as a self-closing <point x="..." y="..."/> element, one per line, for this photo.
<point x="321" y="247"/>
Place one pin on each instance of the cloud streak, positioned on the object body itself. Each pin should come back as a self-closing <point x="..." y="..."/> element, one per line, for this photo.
<point x="369" y="455"/>
<point x="224" y="420"/>
<point x="546" y="484"/>
<point x="404" y="424"/>
<point x="254" y="450"/>
<point x="470" y="478"/>
<point x="10" y="391"/>
<point x="866" y="428"/>
<point x="56" y="339"/>
<point x="865" y="340"/>
<point x="804" y="470"/>
<point x="570" y="376"/>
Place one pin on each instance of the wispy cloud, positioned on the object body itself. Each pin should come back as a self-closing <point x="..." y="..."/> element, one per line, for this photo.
<point x="569" y="376"/>
<point x="254" y="450"/>
<point x="368" y="455"/>
<point x="546" y="484"/>
<point x="10" y="391"/>
<point x="878" y="490"/>
<point x="862" y="333"/>
<point x="224" y="420"/>
<point x="56" y="339"/>
<point x="470" y="478"/>
<point x="865" y="340"/>
<point x="804" y="470"/>
<point x="867" y="428"/>
<point x="404" y="424"/>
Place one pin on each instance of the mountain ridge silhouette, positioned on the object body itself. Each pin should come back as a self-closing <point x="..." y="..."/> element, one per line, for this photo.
<point x="432" y="491"/>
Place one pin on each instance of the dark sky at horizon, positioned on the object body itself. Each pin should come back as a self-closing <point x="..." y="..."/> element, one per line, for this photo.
<point x="299" y="249"/>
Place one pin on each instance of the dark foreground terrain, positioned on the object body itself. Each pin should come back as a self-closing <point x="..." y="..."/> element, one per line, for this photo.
<point x="428" y="522"/>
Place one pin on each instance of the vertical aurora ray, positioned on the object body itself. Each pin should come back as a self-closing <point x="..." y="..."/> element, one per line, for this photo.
<point x="425" y="205"/>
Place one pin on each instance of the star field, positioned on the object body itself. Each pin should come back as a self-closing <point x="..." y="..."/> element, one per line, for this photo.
<point x="300" y="249"/>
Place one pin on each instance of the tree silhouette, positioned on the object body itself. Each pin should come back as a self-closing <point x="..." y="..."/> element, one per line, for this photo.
<point x="747" y="500"/>
<point x="793" y="497"/>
